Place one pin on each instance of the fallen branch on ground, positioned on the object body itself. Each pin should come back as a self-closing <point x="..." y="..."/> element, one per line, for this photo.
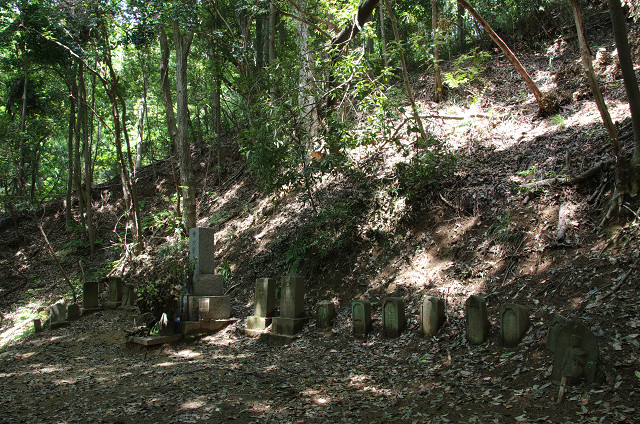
<point x="569" y="179"/>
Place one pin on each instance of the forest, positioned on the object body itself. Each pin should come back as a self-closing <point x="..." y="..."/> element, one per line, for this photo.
<point x="377" y="149"/>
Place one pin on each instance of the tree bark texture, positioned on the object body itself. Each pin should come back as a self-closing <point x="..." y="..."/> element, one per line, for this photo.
<point x="437" y="95"/>
<point x="182" y="43"/>
<point x="630" y="84"/>
<point x="166" y="87"/>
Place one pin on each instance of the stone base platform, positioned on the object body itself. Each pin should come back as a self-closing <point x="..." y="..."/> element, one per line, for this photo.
<point x="202" y="327"/>
<point x="257" y="325"/>
<point x="288" y="326"/>
<point x="90" y="310"/>
<point x="111" y="305"/>
<point x="273" y="339"/>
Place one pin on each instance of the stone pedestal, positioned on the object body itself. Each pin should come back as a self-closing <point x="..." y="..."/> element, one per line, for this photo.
<point x="291" y="319"/>
<point x="325" y="312"/>
<point x="514" y="322"/>
<point x="208" y="308"/>
<point x="361" y="317"/>
<point x="477" y="324"/>
<point x="90" y="297"/>
<point x="264" y="307"/>
<point x="432" y="315"/>
<point x="288" y="326"/>
<point x="393" y="316"/>
<point x="202" y="250"/>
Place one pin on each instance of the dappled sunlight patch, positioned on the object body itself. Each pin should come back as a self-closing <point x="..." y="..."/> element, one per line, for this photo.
<point x="191" y="404"/>
<point x="166" y="364"/>
<point x="187" y="354"/>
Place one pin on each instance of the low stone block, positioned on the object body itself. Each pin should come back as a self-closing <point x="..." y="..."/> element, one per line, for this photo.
<point x="37" y="325"/>
<point x="432" y="315"/>
<point x="288" y="326"/>
<point x="115" y="289"/>
<point x="90" y="295"/>
<point x="258" y="323"/>
<point x="129" y="297"/>
<point x="265" y="297"/>
<point x="208" y="308"/>
<point x="558" y="322"/>
<point x="477" y="322"/>
<point x="208" y="285"/>
<point x="292" y="297"/>
<point x="73" y="312"/>
<point x="393" y="316"/>
<point x="325" y="312"/>
<point x="156" y="340"/>
<point x="514" y="323"/>
<point x="576" y="354"/>
<point x="202" y="250"/>
<point x="361" y="317"/>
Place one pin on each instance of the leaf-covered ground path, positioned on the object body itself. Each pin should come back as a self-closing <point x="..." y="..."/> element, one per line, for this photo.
<point x="88" y="373"/>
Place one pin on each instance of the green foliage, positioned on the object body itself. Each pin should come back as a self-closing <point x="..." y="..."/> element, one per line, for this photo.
<point x="224" y="269"/>
<point x="423" y="174"/>
<point x="466" y="68"/>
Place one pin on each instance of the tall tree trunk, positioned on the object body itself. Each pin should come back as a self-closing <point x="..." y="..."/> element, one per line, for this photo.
<point x="182" y="43"/>
<point x="405" y="75"/>
<point x="77" y="157"/>
<point x="271" y="45"/>
<point x="23" y="137"/>
<point x="70" y="178"/>
<point x="544" y="105"/>
<point x="436" y="50"/>
<point x="306" y="100"/>
<point x="383" y="37"/>
<point x="86" y="155"/>
<point x="460" y="25"/>
<point x="631" y="86"/>
<point x="587" y="63"/>
<point x="166" y="87"/>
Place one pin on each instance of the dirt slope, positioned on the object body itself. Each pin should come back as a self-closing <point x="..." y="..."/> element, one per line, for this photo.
<point x="478" y="233"/>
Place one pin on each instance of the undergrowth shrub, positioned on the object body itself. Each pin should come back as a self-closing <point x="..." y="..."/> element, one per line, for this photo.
<point x="424" y="173"/>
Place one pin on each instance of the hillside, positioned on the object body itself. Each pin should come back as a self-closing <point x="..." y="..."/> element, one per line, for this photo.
<point x="468" y="227"/>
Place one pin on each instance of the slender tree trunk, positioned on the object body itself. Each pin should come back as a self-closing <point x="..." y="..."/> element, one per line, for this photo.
<point x="86" y="155"/>
<point x="182" y="43"/>
<point x="217" y="114"/>
<point x="23" y="139"/>
<point x="166" y="87"/>
<point x="383" y="37"/>
<point x="306" y="100"/>
<point x="544" y="106"/>
<point x="460" y="25"/>
<point x="631" y="86"/>
<point x="77" y="161"/>
<point x="405" y="74"/>
<point x="70" y="178"/>
<point x="271" y="45"/>
<point x="587" y="63"/>
<point x="436" y="49"/>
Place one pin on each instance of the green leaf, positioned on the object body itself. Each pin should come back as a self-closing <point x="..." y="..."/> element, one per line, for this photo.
<point x="637" y="374"/>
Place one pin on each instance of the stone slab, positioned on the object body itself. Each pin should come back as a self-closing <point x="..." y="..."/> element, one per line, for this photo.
<point x="361" y="317"/>
<point x="202" y="250"/>
<point x="156" y="340"/>
<point x="265" y="297"/>
<point x="558" y="322"/>
<point x="129" y="297"/>
<point x="73" y="312"/>
<point x="37" y="325"/>
<point x="576" y="354"/>
<point x="90" y="294"/>
<point x="477" y="322"/>
<point x="393" y="316"/>
<point x="111" y="305"/>
<point x="288" y="326"/>
<point x="432" y="315"/>
<point x="57" y="313"/>
<point x="208" y="285"/>
<point x="514" y="323"/>
<point x="115" y="289"/>
<point x="273" y="339"/>
<point x="292" y="296"/>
